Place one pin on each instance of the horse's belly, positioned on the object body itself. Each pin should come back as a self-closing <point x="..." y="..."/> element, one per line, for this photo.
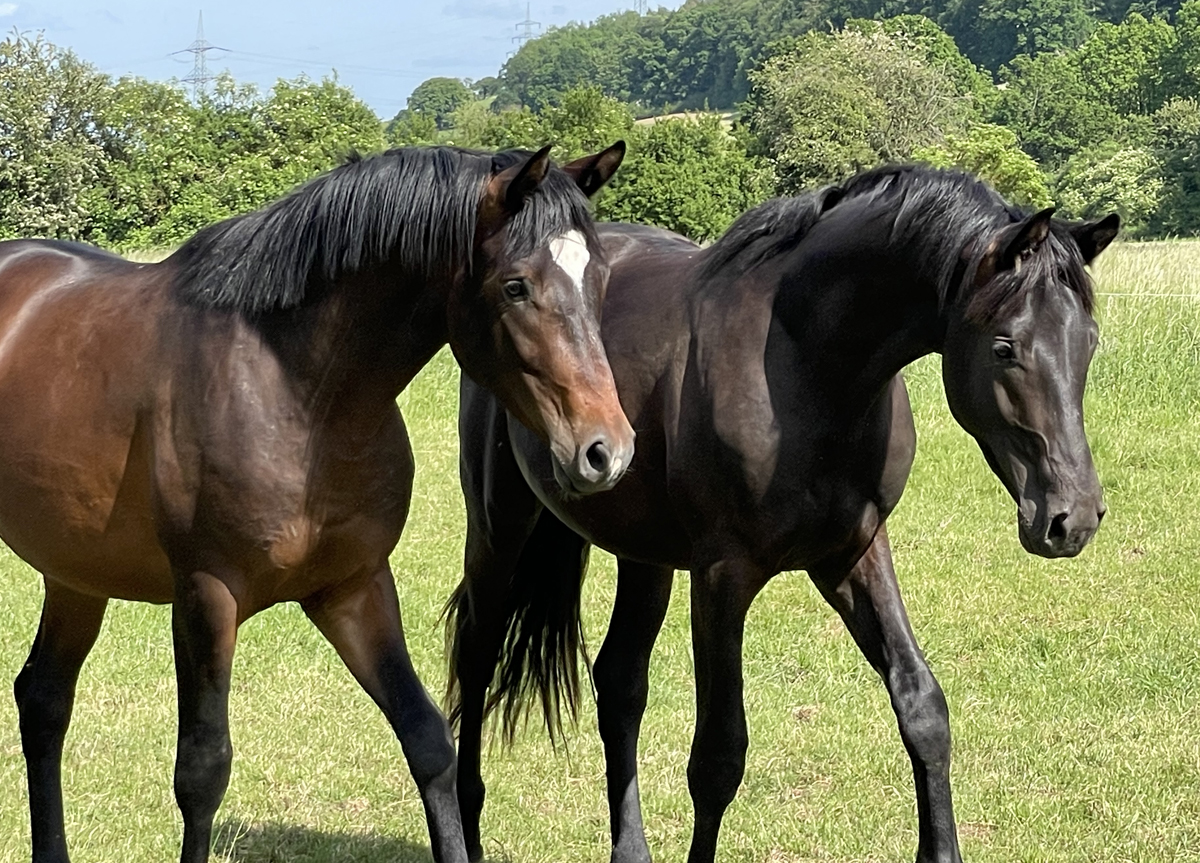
<point x="651" y="537"/>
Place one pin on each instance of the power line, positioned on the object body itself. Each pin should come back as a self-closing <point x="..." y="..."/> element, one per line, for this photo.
<point x="250" y="56"/>
<point x="199" y="77"/>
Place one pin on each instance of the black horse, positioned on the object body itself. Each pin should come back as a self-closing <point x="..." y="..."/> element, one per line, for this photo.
<point x="762" y="376"/>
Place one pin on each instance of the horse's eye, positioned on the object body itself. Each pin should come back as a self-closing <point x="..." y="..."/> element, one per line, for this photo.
<point x="1003" y="350"/>
<point x="516" y="289"/>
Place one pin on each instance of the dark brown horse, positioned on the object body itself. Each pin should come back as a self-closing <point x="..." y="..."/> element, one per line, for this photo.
<point x="220" y="431"/>
<point x="774" y="433"/>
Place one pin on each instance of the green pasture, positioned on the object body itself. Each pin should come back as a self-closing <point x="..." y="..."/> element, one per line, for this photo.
<point x="1074" y="686"/>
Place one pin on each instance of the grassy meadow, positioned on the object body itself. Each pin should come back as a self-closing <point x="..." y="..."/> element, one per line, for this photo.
<point x="1074" y="686"/>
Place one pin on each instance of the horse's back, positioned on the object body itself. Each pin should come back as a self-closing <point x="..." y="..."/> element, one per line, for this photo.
<point x="622" y="240"/>
<point x="78" y="342"/>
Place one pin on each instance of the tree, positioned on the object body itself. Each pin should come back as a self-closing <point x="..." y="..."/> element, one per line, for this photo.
<point x="1060" y="104"/>
<point x="826" y="105"/>
<point x="993" y="32"/>
<point x="688" y="175"/>
<point x="991" y="153"/>
<point x="702" y="54"/>
<point x="1125" y="64"/>
<point x="470" y="123"/>
<point x="157" y="148"/>
<point x="312" y="126"/>
<point x="1125" y="179"/>
<point x="1184" y="65"/>
<point x="408" y="128"/>
<point x="174" y="166"/>
<point x="937" y="49"/>
<point x="577" y="55"/>
<point x="1177" y="137"/>
<point x="439" y="98"/>
<point x="51" y="145"/>
<point x="1053" y="109"/>
<point x="584" y="121"/>
<point x="696" y="55"/>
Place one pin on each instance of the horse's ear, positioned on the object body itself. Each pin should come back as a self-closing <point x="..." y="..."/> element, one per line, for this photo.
<point x="591" y="172"/>
<point x="1025" y="240"/>
<point x="1094" y="237"/>
<point x="513" y="186"/>
<point x="1010" y="245"/>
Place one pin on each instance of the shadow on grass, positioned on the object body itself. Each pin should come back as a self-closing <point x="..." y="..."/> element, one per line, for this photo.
<point x="239" y="842"/>
<point x="285" y="843"/>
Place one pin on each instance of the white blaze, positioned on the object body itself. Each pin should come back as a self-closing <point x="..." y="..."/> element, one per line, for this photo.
<point x="570" y="253"/>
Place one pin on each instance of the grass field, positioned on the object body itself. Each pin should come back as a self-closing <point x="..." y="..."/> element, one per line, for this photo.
<point x="1074" y="686"/>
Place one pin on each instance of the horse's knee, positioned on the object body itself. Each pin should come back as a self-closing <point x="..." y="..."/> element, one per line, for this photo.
<point x="43" y="719"/>
<point x="21" y="684"/>
<point x="716" y="768"/>
<point x="428" y="746"/>
<point x="924" y="719"/>
<point x="202" y="768"/>
<point x="620" y="697"/>
<point x="471" y="795"/>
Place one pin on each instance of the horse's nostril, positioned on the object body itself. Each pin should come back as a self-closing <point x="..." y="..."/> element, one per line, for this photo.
<point x="1100" y="514"/>
<point x="599" y="457"/>
<point x="1058" y="527"/>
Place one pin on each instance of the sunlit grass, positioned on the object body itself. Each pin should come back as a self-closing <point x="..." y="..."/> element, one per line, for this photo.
<point x="1073" y="685"/>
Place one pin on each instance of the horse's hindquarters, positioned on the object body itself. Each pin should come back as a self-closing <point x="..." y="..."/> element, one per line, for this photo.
<point x="75" y="365"/>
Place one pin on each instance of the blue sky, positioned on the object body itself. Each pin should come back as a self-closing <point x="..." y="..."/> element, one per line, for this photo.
<point x="381" y="49"/>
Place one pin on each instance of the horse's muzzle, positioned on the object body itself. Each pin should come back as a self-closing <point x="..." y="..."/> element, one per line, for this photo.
<point x="1063" y="533"/>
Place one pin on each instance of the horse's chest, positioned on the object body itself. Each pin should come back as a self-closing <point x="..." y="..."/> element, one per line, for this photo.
<point x="827" y="492"/>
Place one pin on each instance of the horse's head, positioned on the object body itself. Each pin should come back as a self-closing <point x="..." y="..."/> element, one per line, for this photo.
<point x="1015" y="361"/>
<point x="526" y="321"/>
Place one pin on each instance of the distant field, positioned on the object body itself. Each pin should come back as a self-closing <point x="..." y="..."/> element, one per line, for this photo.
<point x="1074" y="686"/>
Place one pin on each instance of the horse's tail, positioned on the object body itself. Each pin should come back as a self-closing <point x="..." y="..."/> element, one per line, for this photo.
<point x="543" y="633"/>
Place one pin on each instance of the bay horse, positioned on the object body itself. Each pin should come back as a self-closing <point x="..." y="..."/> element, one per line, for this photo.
<point x="762" y="375"/>
<point x="220" y="431"/>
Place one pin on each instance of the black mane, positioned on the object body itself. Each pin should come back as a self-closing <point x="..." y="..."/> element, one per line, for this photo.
<point x="415" y="208"/>
<point x="935" y="214"/>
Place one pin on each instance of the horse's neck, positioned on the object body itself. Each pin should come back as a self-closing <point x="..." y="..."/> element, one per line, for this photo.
<point x="360" y="342"/>
<point x="856" y="316"/>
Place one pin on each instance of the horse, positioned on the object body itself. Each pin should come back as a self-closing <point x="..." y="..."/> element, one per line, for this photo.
<point x="219" y="431"/>
<point x="762" y="375"/>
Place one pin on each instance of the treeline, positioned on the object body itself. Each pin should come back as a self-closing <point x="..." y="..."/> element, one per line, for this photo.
<point x="703" y="53"/>
<point x="1102" y="116"/>
<point x="135" y="164"/>
<point x="1091" y="106"/>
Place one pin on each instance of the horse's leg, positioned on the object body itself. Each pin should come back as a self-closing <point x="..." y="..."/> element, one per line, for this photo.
<point x="362" y="622"/>
<point x="502" y="512"/>
<point x="721" y="596"/>
<point x="45" y="693"/>
<point x="488" y="567"/>
<point x="621" y="676"/>
<point x="204" y="623"/>
<point x="868" y="599"/>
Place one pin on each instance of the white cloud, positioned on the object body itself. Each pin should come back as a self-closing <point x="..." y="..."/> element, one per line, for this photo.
<point x="7" y="9"/>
